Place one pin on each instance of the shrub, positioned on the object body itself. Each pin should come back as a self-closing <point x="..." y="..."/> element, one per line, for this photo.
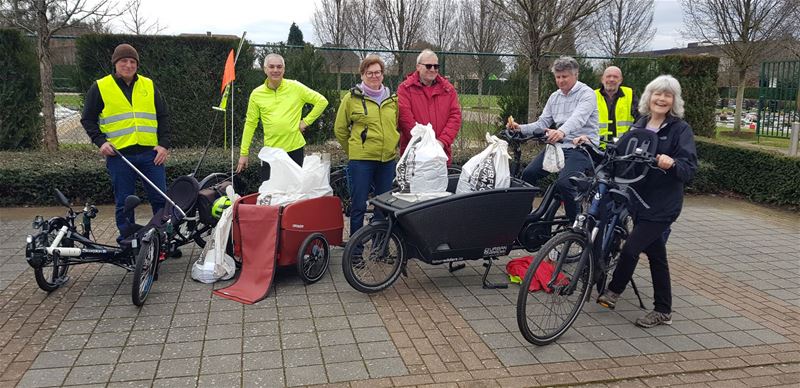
<point x="19" y="92"/>
<point x="698" y="78"/>
<point x="186" y="70"/>
<point x="759" y="175"/>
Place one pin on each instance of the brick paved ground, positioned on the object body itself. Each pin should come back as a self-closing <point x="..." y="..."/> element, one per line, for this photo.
<point x="735" y="269"/>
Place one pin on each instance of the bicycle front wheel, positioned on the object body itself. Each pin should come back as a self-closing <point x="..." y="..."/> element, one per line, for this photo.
<point x="372" y="260"/>
<point x="555" y="287"/>
<point x="52" y="274"/>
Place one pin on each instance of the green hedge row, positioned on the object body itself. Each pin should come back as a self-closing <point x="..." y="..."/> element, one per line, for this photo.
<point x="19" y="92"/>
<point x="28" y="178"/>
<point x="758" y="175"/>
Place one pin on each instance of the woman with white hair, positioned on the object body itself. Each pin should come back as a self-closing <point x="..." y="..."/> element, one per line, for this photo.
<point x="661" y="106"/>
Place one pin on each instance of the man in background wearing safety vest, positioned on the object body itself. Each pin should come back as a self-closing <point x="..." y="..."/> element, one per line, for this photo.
<point x="279" y="103"/>
<point x="616" y="105"/>
<point x="126" y="111"/>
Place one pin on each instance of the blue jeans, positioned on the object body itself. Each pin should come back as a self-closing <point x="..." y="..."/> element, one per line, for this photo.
<point x="366" y="176"/>
<point x="123" y="179"/>
<point x="575" y="162"/>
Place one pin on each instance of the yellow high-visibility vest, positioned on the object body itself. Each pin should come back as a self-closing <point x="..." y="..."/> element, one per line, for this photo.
<point x="622" y="113"/>
<point x="128" y="123"/>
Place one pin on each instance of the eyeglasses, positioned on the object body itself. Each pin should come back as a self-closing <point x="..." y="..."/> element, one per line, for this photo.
<point x="373" y="73"/>
<point x="430" y="65"/>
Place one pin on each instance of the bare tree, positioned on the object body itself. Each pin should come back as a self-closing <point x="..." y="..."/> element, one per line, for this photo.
<point x="330" y="26"/>
<point x="540" y="25"/>
<point x="444" y="21"/>
<point x="45" y="18"/>
<point x="744" y="30"/>
<point x="622" y="26"/>
<point x="482" y="32"/>
<point x="360" y="33"/>
<point x="136" y="23"/>
<point x="402" y="23"/>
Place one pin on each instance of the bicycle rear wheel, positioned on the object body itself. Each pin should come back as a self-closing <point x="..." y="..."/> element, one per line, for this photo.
<point x="546" y="310"/>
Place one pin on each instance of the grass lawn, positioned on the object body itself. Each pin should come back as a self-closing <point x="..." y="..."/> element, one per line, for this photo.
<point x="72" y="101"/>
<point x="748" y="136"/>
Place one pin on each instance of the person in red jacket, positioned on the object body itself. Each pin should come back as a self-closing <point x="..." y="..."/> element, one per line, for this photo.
<point x="427" y="97"/>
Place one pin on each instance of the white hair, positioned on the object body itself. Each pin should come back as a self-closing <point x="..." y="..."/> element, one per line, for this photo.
<point x="271" y="56"/>
<point x="663" y="83"/>
<point x="425" y="53"/>
<point x="565" y="64"/>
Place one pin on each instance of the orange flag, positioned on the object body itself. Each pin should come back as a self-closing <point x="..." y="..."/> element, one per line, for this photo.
<point x="230" y="73"/>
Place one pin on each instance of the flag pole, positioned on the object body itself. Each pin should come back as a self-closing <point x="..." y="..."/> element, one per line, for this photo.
<point x="235" y="59"/>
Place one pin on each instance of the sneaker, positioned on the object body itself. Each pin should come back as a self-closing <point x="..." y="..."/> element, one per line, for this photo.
<point x="608" y="299"/>
<point x="654" y="318"/>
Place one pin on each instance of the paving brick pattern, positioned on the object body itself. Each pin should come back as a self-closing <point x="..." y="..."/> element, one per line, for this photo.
<point x="735" y="270"/>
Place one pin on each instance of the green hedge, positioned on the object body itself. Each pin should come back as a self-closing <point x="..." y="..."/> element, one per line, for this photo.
<point x="19" y="92"/>
<point x="698" y="78"/>
<point x="28" y="178"/>
<point x="187" y="71"/>
<point x="758" y="175"/>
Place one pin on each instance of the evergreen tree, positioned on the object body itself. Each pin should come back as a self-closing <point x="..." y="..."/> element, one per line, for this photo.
<point x="295" y="36"/>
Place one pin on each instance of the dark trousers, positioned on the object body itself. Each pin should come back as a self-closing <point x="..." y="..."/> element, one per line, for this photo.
<point x="647" y="237"/>
<point x="296" y="155"/>
<point x="575" y="162"/>
<point x="123" y="179"/>
<point x="365" y="176"/>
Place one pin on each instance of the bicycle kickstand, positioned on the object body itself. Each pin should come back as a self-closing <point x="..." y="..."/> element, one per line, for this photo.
<point x="636" y="291"/>
<point x="486" y="283"/>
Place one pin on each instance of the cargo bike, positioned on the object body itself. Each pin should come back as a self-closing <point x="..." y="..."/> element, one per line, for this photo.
<point x="481" y="225"/>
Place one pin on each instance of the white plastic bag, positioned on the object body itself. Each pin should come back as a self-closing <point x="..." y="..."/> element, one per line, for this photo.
<point x="289" y="182"/>
<point x="214" y="263"/>
<point x="553" y="158"/>
<point x="486" y="170"/>
<point x="422" y="168"/>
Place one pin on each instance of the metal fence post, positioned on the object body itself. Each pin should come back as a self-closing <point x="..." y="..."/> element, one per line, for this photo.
<point x="794" y="138"/>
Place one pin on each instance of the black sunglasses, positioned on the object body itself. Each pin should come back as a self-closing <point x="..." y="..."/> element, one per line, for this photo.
<point x="430" y="65"/>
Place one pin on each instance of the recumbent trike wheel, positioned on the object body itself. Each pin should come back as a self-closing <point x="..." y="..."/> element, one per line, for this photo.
<point x="313" y="258"/>
<point x="371" y="261"/>
<point x="53" y="272"/>
<point x="146" y="265"/>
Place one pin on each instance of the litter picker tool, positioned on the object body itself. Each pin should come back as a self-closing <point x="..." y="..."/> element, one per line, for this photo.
<point x="149" y="182"/>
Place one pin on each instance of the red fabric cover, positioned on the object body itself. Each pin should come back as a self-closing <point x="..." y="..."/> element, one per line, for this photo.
<point x="256" y="241"/>
<point x="518" y="267"/>
<point x="437" y="105"/>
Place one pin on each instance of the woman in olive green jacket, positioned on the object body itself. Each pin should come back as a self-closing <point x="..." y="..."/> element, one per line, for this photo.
<point x="366" y="127"/>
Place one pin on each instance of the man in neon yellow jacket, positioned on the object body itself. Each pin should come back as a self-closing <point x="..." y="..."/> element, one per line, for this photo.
<point x="278" y="103"/>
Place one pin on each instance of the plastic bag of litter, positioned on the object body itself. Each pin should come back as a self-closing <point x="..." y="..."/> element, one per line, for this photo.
<point x="289" y="182"/>
<point x="486" y="170"/>
<point x="422" y="169"/>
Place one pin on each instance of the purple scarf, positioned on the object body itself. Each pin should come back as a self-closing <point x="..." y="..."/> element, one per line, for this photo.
<point x="376" y="94"/>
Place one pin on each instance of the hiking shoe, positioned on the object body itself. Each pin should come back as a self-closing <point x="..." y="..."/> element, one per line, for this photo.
<point x="608" y="299"/>
<point x="654" y="318"/>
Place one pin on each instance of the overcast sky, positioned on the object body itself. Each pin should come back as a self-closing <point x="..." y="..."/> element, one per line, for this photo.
<point x="269" y="20"/>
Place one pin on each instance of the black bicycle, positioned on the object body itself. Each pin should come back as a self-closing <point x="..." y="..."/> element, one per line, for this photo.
<point x="560" y="279"/>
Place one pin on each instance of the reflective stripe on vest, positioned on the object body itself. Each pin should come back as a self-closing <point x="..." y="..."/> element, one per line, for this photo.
<point x="128" y="123"/>
<point x="622" y="112"/>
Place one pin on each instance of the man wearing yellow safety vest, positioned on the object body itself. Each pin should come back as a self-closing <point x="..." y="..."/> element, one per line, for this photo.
<point x="278" y="103"/>
<point x="616" y="105"/>
<point x="126" y="111"/>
